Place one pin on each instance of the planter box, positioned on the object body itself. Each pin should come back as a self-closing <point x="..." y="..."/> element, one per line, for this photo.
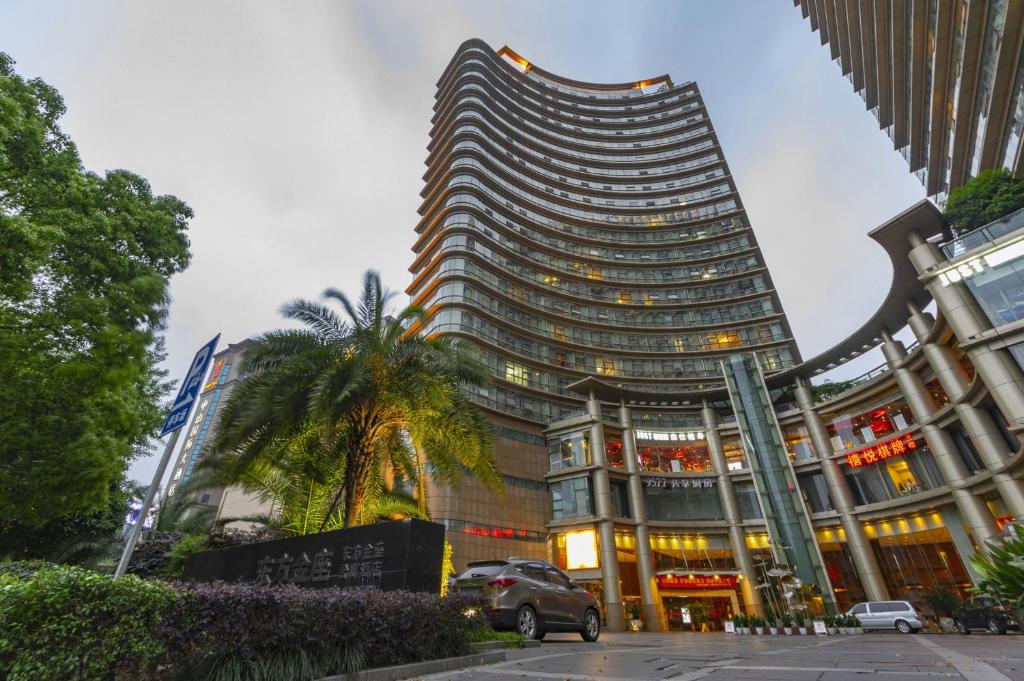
<point x="759" y="631"/>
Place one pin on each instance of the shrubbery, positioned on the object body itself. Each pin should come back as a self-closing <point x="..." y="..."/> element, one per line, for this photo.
<point x="74" y="624"/>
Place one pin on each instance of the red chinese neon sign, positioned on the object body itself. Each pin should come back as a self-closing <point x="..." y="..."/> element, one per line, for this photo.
<point x="671" y="581"/>
<point x="881" y="452"/>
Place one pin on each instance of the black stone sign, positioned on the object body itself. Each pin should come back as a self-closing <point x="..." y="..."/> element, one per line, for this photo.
<point x="402" y="554"/>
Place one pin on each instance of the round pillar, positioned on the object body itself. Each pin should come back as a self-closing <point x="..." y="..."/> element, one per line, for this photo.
<point x="615" y="619"/>
<point x="857" y="542"/>
<point x="644" y="561"/>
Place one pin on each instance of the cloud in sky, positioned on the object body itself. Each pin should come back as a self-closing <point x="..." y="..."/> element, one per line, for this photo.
<point x="297" y="132"/>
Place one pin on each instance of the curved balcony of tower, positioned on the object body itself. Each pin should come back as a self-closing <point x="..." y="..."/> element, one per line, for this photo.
<point x="572" y="229"/>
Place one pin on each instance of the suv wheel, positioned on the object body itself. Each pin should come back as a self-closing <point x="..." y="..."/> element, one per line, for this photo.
<point x="962" y="627"/>
<point x="995" y="626"/>
<point x="591" y="626"/>
<point x="903" y="627"/>
<point x="526" y="622"/>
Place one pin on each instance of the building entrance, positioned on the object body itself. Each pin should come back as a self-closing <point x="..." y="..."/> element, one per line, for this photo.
<point x="698" y="610"/>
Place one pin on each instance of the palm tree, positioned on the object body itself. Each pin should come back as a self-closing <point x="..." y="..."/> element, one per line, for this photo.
<point x="339" y="398"/>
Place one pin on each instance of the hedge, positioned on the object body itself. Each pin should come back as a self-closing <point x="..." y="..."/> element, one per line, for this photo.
<point x="69" y="623"/>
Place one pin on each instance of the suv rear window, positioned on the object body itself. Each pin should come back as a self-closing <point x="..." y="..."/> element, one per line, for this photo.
<point x="482" y="569"/>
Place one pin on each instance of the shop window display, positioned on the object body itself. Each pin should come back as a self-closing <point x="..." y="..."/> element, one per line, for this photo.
<point x="734" y="457"/>
<point x="570" y="451"/>
<point x="682" y="457"/>
<point x="613" y="451"/>
<point x="851" y="431"/>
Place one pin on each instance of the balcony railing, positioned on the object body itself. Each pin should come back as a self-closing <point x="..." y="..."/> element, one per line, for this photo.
<point x="983" y="235"/>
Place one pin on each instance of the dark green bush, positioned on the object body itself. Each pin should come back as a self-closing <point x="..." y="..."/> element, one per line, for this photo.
<point x="71" y="623"/>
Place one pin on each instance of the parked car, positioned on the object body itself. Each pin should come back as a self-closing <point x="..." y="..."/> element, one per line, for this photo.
<point x="532" y="597"/>
<point x="985" y="613"/>
<point x="898" y="615"/>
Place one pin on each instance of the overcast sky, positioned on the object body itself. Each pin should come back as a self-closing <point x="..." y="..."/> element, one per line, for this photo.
<point x="297" y="133"/>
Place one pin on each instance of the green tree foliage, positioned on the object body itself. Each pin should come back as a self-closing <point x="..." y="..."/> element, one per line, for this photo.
<point x="84" y="266"/>
<point x="1002" y="570"/>
<point x="987" y="196"/>
<point x="335" y="406"/>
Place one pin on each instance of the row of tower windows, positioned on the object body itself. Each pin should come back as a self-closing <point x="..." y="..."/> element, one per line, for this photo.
<point x="636" y="185"/>
<point x="593" y="272"/>
<point x="521" y="315"/>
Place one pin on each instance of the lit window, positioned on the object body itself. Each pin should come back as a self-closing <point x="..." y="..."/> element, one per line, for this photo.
<point x="580" y="550"/>
<point x="605" y="367"/>
<point x="516" y="373"/>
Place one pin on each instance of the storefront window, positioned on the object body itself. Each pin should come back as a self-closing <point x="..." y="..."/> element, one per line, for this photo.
<point x="915" y="561"/>
<point x="677" y="457"/>
<point x="815" y="492"/>
<point x="570" y="451"/>
<point x="613" y="451"/>
<point x="577" y="550"/>
<point x="571" y="498"/>
<point x="1000" y="292"/>
<point x="734" y="458"/>
<point x="842" y="572"/>
<point x="895" y="477"/>
<point x="683" y="503"/>
<point x="798" y="443"/>
<point x="937" y="393"/>
<point x="746" y="499"/>
<point x="851" y="431"/>
<point x="686" y="552"/>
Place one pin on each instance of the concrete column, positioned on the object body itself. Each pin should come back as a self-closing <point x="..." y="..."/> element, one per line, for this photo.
<point x="940" y="443"/>
<point x="752" y="602"/>
<point x="615" y="619"/>
<point x="995" y="367"/>
<point x="857" y="541"/>
<point x="979" y="425"/>
<point x="644" y="561"/>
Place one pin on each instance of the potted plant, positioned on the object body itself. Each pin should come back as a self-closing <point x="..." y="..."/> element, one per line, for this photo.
<point x="855" y="625"/>
<point x="805" y="626"/>
<point x="740" y="622"/>
<point x="830" y="625"/>
<point x="787" y="623"/>
<point x="841" y="622"/>
<point x="633" y="612"/>
<point x="944" y="603"/>
<point x="758" y="625"/>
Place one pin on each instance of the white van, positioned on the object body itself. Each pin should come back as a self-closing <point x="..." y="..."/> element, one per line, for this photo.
<point x="898" y="615"/>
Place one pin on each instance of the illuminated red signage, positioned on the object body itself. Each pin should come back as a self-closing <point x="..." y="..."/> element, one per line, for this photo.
<point x="215" y="374"/>
<point x="697" y="581"/>
<point x="497" y="532"/>
<point x="881" y="452"/>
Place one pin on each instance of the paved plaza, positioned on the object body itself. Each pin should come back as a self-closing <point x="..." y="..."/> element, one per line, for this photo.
<point x="719" y="657"/>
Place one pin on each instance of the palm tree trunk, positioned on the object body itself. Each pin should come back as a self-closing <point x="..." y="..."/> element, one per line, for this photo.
<point x="421" y="479"/>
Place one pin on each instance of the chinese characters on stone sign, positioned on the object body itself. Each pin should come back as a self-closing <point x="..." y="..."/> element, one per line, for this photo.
<point x="358" y="565"/>
<point x="881" y="452"/>
<point x="675" y="483"/>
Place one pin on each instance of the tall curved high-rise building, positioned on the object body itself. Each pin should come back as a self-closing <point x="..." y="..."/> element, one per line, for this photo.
<point x="576" y="229"/>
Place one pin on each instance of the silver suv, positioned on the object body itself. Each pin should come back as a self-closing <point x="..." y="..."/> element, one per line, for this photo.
<point x="898" y="615"/>
<point x="532" y="597"/>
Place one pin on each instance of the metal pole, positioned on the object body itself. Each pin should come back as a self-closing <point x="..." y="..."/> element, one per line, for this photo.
<point x="147" y="503"/>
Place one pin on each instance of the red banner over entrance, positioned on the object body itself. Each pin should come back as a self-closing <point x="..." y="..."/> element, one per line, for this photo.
<point x="697" y="581"/>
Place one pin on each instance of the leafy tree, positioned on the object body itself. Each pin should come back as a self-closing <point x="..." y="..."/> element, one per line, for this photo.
<point x="85" y="261"/>
<point x="987" y="196"/>
<point x="339" y="398"/>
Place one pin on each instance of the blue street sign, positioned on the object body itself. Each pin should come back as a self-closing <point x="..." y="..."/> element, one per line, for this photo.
<point x="190" y="388"/>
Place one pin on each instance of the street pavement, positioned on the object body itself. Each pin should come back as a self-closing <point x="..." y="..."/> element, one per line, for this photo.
<point x="722" y="657"/>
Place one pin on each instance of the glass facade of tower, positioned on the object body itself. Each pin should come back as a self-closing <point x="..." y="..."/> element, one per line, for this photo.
<point x="573" y="229"/>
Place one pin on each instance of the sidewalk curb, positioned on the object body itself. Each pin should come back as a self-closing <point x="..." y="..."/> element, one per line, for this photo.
<point x="407" y="671"/>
